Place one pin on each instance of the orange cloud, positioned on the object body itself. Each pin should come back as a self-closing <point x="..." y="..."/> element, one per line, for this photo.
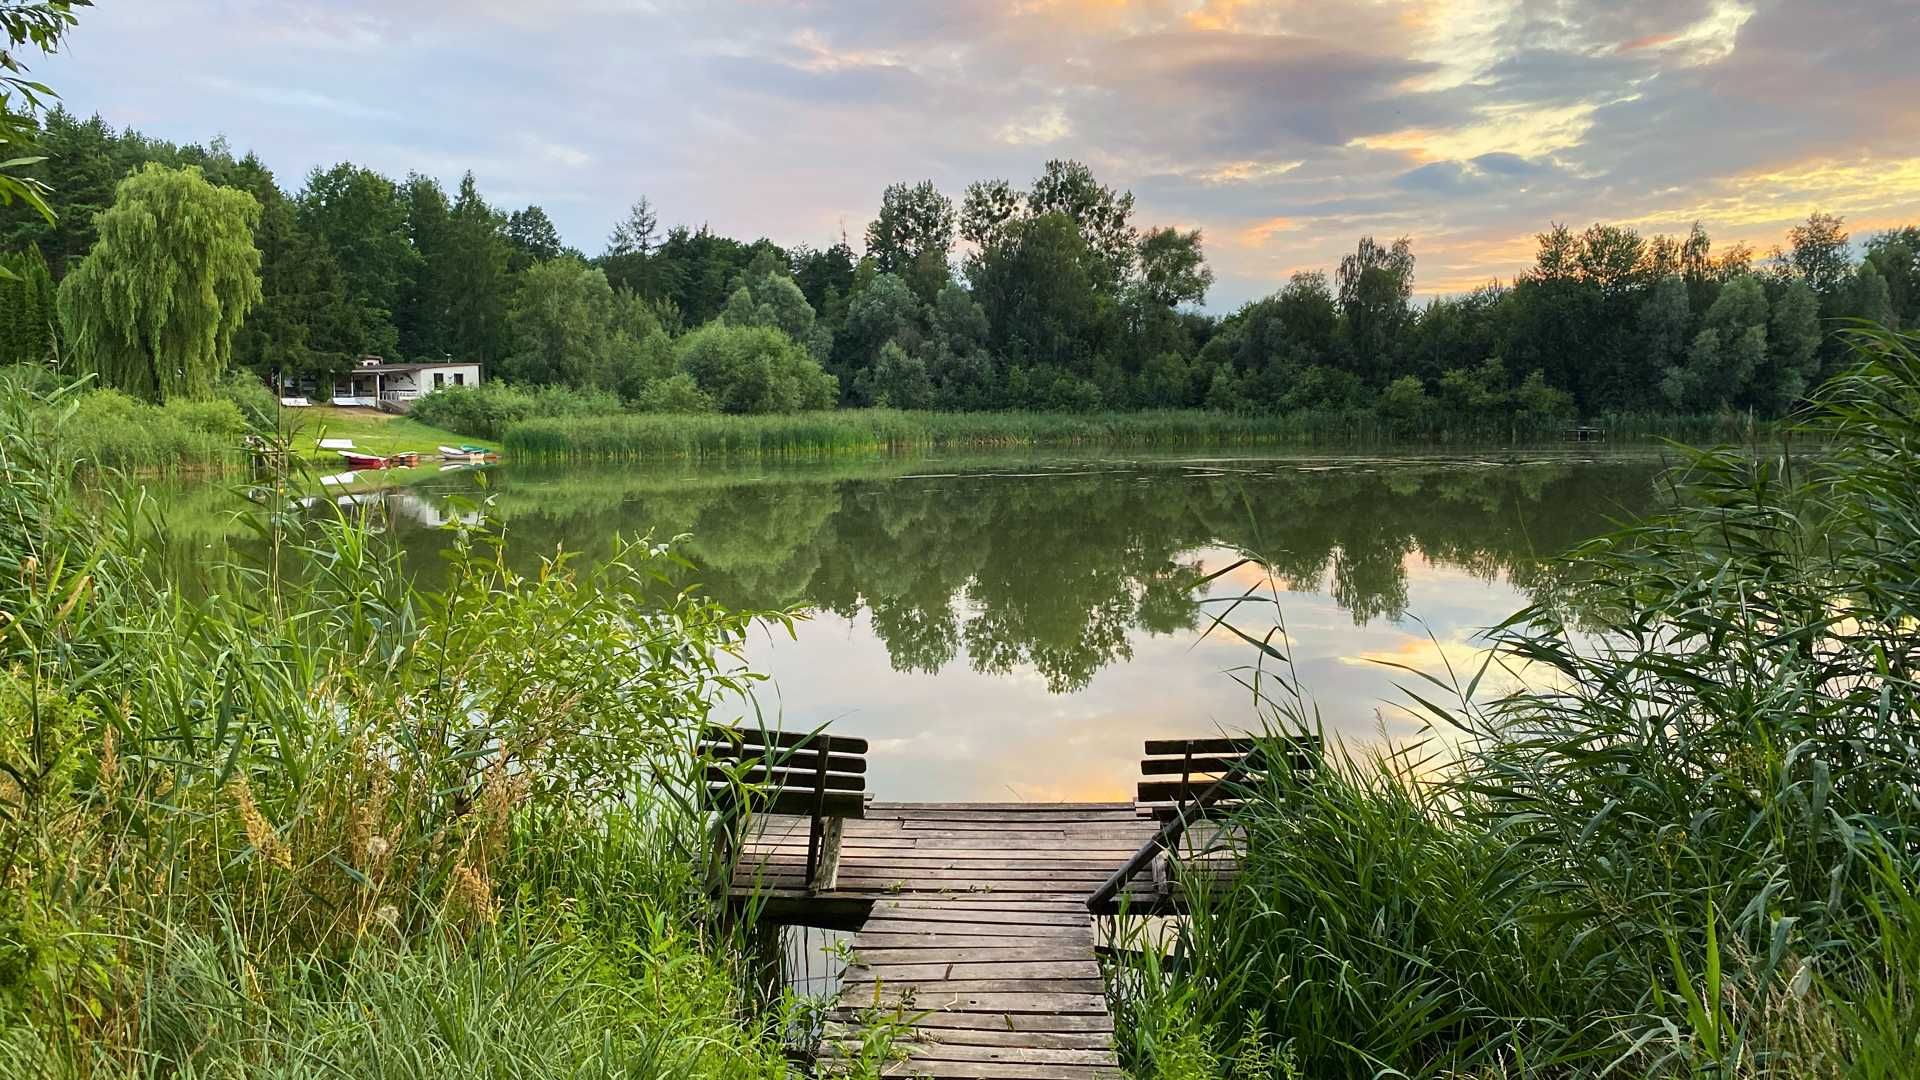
<point x="1258" y="233"/>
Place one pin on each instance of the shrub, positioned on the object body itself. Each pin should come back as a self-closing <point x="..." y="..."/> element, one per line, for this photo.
<point x="485" y="411"/>
<point x="676" y="394"/>
<point x="216" y="416"/>
<point x="256" y="402"/>
<point x="754" y="369"/>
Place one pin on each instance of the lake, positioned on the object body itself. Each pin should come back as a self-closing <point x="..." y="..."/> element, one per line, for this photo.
<point x="1011" y="627"/>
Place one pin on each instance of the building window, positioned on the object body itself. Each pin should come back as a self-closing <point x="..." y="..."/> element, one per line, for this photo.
<point x="439" y="379"/>
<point x="459" y="378"/>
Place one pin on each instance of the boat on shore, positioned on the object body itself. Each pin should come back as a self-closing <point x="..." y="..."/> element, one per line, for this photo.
<point x="356" y="460"/>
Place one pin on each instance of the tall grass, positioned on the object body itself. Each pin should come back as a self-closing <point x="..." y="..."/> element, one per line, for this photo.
<point x="1684" y="848"/>
<point x="643" y="436"/>
<point x="307" y="819"/>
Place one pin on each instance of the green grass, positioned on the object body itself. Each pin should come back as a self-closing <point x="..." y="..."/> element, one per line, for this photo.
<point x="642" y="436"/>
<point x="1689" y="853"/>
<point x="305" y="819"/>
<point x="372" y="431"/>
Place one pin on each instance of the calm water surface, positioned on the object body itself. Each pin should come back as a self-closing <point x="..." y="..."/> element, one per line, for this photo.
<point x="1012" y="628"/>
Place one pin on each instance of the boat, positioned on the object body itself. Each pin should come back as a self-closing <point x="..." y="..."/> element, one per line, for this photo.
<point x="405" y="459"/>
<point x="358" y="460"/>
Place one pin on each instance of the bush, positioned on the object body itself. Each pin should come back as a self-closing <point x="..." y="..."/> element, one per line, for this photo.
<point x="485" y="411"/>
<point x="676" y="394"/>
<point x="754" y="369"/>
<point x="256" y="402"/>
<point x="218" y="416"/>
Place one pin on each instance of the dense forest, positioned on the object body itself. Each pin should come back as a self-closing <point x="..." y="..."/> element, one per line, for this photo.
<point x="1051" y="297"/>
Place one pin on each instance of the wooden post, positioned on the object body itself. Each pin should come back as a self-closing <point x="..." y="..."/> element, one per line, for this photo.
<point x="828" y="870"/>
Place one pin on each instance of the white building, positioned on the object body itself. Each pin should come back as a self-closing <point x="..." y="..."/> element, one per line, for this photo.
<point x="376" y="381"/>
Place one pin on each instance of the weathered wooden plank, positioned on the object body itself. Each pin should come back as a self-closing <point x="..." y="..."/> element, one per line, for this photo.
<point x="1025" y="1055"/>
<point x="1013" y="807"/>
<point x="921" y="1051"/>
<point x="750" y="737"/>
<point x="899" y="920"/>
<point x="935" y="999"/>
<point x="790" y="779"/>
<point x="990" y="1019"/>
<point x="977" y="936"/>
<point x="924" y="968"/>
<point x="999" y="1071"/>
<point x="960" y="959"/>
<point x="840" y="1033"/>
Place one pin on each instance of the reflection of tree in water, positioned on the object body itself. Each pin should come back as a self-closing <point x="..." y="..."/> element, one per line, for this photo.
<point x="1057" y="571"/>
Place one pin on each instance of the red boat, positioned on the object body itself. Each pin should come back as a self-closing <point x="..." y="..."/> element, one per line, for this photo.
<point x="363" y="461"/>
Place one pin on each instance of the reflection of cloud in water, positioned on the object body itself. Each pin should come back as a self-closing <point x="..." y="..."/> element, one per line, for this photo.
<point x="963" y="734"/>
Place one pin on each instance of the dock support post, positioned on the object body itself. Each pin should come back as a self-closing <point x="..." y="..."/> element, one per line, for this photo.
<point x="828" y="870"/>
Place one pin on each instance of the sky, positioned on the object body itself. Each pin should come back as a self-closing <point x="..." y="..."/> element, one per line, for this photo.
<point x="1284" y="130"/>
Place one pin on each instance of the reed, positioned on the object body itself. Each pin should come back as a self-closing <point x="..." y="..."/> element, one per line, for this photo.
<point x="1683" y="848"/>
<point x="301" y="818"/>
<point x="865" y="431"/>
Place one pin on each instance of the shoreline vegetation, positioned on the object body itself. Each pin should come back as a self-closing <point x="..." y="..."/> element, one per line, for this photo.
<point x="1688" y="852"/>
<point x="642" y="437"/>
<point x="229" y="810"/>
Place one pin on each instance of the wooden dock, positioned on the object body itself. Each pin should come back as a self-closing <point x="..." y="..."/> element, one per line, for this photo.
<point x="971" y="920"/>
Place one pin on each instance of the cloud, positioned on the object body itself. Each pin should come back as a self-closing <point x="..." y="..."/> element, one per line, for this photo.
<point x="1284" y="129"/>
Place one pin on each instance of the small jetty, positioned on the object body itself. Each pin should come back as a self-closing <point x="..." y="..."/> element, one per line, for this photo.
<point x="974" y="924"/>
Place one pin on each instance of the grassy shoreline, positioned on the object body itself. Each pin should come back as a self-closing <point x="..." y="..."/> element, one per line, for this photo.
<point x="640" y="436"/>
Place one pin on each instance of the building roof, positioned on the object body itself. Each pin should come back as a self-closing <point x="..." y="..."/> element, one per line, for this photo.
<point x="391" y="369"/>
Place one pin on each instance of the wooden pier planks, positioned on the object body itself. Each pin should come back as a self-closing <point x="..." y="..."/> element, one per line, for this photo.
<point x="977" y="930"/>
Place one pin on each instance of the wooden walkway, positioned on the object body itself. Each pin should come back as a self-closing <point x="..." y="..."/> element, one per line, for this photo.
<point x="971" y="917"/>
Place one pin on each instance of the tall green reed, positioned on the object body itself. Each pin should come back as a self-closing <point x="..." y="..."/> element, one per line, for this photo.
<point x="1683" y="847"/>
<point x="302" y="774"/>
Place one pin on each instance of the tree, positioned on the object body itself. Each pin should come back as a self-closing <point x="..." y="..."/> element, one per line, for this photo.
<point x="470" y="284"/>
<point x="768" y="296"/>
<point x="1665" y="323"/>
<point x="754" y="369"/>
<point x="1172" y="269"/>
<point x="1038" y="288"/>
<point x="1725" y="355"/>
<point x="1102" y="216"/>
<point x="989" y="206"/>
<point x="1818" y="254"/>
<point x="912" y="235"/>
<point x="568" y="326"/>
<point x="629" y="259"/>
<point x="636" y="233"/>
<point x="29" y="322"/>
<point x="153" y="308"/>
<point x="884" y="312"/>
<point x="304" y="324"/>
<point x="897" y="380"/>
<point x="531" y="238"/>
<point x="1793" y="344"/>
<point x="361" y="218"/>
<point x="1896" y="257"/>
<point x="1375" y="291"/>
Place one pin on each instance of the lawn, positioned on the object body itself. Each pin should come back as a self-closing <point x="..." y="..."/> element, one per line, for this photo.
<point x="372" y="432"/>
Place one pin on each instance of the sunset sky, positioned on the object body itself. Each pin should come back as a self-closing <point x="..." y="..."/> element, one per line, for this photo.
<point x="1285" y="130"/>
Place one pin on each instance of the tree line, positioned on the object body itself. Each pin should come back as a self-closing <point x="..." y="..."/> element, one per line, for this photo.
<point x="165" y="264"/>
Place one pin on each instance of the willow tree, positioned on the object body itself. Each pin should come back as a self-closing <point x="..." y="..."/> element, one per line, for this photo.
<point x="153" y="308"/>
